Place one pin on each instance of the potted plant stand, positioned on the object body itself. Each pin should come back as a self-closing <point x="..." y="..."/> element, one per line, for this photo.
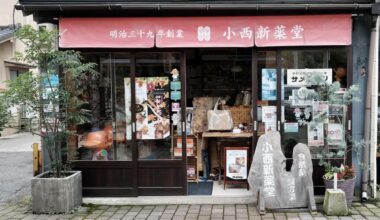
<point x="56" y="195"/>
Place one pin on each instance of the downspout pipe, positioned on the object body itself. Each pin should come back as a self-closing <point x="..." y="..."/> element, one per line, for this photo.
<point x="370" y="126"/>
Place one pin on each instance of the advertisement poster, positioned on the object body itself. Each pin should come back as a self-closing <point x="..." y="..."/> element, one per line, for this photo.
<point x="269" y="84"/>
<point x="297" y="77"/>
<point x="321" y="111"/>
<point x="291" y="127"/>
<point x="152" y="108"/>
<point x="269" y="114"/>
<point x="236" y="163"/>
<point x="315" y="135"/>
<point x="334" y="133"/>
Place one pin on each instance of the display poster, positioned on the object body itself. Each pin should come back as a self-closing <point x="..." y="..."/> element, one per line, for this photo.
<point x="300" y="97"/>
<point x="128" y="113"/>
<point x="315" y="135"/>
<point x="291" y="127"/>
<point x="268" y="84"/>
<point x="269" y="114"/>
<point x="176" y="107"/>
<point x="298" y="77"/>
<point x="152" y="108"/>
<point x="321" y="111"/>
<point x="236" y="163"/>
<point x="334" y="133"/>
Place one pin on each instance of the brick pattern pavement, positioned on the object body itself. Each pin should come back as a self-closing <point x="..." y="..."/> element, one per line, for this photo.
<point x="181" y="212"/>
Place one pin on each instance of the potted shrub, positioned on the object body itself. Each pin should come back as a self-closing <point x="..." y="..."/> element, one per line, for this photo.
<point x="3" y="113"/>
<point x="333" y="155"/>
<point x="56" y="104"/>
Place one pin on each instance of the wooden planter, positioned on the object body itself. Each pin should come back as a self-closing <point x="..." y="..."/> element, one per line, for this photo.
<point x="348" y="186"/>
<point x="56" y="195"/>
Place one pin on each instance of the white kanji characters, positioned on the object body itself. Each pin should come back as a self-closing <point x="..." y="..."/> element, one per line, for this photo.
<point x="140" y="33"/>
<point x="279" y="32"/>
<point x="113" y="34"/>
<point x="179" y="33"/>
<point x="150" y="34"/>
<point x="204" y="33"/>
<point x="268" y="181"/>
<point x="246" y="32"/>
<point x="267" y="147"/>
<point x="160" y="33"/>
<point x="267" y="169"/>
<point x="262" y="32"/>
<point x="229" y="33"/>
<point x="170" y="34"/>
<point x="301" y="165"/>
<point x="132" y="34"/>
<point x="122" y="34"/>
<point x="297" y="32"/>
<point x="267" y="158"/>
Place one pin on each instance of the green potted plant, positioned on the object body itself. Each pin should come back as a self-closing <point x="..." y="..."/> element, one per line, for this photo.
<point x="333" y="155"/>
<point x="54" y="96"/>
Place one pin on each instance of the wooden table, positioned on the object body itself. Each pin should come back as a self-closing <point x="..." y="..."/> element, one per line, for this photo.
<point x="224" y="137"/>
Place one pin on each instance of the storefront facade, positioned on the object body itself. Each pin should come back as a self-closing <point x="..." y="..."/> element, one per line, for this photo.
<point x="157" y="68"/>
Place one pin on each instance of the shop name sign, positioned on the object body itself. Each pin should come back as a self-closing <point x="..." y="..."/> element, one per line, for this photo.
<point x="176" y="32"/>
<point x="298" y="77"/>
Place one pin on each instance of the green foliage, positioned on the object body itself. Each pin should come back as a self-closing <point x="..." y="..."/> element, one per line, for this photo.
<point x="28" y="89"/>
<point x="334" y="96"/>
<point x="4" y="116"/>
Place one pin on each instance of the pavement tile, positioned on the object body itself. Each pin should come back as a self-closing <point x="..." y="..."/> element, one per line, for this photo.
<point x="367" y="213"/>
<point x="346" y="218"/>
<point x="372" y="217"/>
<point x="320" y="218"/>
<point x="128" y="217"/>
<point x="254" y="217"/>
<point x="169" y="211"/>
<point x="178" y="217"/>
<point x="369" y="205"/>
<point x="142" y="215"/>
<point x="167" y="215"/>
<point x="282" y="217"/>
<point x="178" y="212"/>
<point x="153" y="217"/>
<point x="204" y="217"/>
<point x="171" y="207"/>
<point x="216" y="215"/>
<point x="229" y="218"/>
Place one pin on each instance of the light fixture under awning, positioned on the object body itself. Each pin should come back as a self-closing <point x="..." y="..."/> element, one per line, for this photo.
<point x="182" y="32"/>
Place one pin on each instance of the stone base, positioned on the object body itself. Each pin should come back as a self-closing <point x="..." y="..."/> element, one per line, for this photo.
<point x="335" y="203"/>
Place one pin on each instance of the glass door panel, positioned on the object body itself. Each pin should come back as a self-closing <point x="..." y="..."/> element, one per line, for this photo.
<point x="266" y="92"/>
<point x="122" y="129"/>
<point x="297" y="105"/>
<point x="158" y="93"/>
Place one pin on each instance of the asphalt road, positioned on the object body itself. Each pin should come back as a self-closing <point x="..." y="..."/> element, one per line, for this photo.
<point x="16" y="166"/>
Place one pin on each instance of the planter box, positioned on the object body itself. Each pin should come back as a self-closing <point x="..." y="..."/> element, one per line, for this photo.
<point x="56" y="195"/>
<point x="348" y="186"/>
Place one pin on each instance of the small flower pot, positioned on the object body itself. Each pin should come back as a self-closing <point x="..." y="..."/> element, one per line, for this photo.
<point x="348" y="187"/>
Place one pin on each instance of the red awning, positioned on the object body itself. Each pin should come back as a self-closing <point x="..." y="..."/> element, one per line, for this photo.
<point x="263" y="31"/>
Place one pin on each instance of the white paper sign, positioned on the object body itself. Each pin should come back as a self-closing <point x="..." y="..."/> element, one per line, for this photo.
<point x="315" y="136"/>
<point x="269" y="114"/>
<point x="297" y="77"/>
<point x="334" y="133"/>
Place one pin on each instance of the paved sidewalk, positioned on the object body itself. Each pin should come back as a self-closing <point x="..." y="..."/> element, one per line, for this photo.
<point x="177" y="212"/>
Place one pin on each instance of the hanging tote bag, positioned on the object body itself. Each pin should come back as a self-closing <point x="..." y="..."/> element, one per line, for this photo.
<point x="219" y="120"/>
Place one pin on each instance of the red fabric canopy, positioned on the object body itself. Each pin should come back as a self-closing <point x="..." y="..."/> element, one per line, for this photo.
<point x="263" y="31"/>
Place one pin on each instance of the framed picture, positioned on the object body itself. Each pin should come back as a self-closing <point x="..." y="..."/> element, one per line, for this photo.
<point x="236" y="162"/>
